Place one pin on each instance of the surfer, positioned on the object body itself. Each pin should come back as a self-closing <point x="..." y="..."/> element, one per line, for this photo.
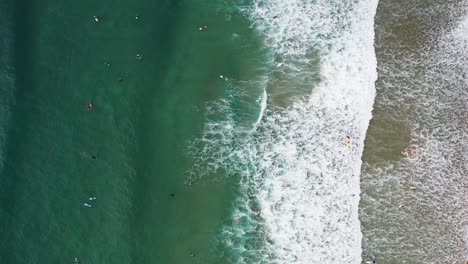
<point x="90" y="106"/>
<point x="348" y="141"/>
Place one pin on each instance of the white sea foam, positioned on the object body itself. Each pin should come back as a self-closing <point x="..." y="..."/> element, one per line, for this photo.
<point x="263" y="104"/>
<point x="299" y="191"/>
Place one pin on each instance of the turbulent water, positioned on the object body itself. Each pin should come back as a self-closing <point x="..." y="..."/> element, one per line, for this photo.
<point x="246" y="131"/>
<point x="299" y="164"/>
<point x="414" y="182"/>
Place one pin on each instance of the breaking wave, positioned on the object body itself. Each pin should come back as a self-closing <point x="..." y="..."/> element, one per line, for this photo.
<point x="297" y="162"/>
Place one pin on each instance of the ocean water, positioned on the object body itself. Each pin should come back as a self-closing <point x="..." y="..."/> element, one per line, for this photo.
<point x="239" y="134"/>
<point x="413" y="204"/>
<point x="298" y="164"/>
<point x="144" y="113"/>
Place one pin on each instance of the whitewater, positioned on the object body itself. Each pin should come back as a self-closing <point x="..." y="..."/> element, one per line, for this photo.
<point x="298" y="160"/>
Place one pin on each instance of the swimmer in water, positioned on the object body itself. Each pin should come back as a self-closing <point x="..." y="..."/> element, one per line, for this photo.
<point x="87" y="205"/>
<point x="96" y="19"/>
<point x="92" y="157"/>
<point x="92" y="198"/>
<point x="138" y="56"/>
<point x="348" y="141"/>
<point x="90" y="106"/>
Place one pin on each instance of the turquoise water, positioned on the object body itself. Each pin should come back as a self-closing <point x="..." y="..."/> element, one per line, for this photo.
<point x="144" y="114"/>
<point x="230" y="131"/>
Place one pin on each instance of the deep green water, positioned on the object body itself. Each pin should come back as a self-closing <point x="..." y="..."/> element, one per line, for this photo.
<point x="138" y="129"/>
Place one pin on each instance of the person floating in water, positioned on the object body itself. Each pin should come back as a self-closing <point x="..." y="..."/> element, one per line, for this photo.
<point x="172" y="194"/>
<point x="92" y="157"/>
<point x="90" y="106"/>
<point x="348" y="141"/>
<point x="92" y="198"/>
<point x="202" y="28"/>
<point x="87" y="204"/>
<point x="410" y="151"/>
<point x="138" y="56"/>
<point x="96" y="18"/>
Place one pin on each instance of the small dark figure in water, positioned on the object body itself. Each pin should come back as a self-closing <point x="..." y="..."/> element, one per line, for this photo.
<point x="92" y="157"/>
<point x="121" y="80"/>
<point x="172" y="194"/>
<point x="275" y="17"/>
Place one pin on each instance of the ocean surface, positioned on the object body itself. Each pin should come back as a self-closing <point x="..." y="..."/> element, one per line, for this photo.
<point x="233" y="131"/>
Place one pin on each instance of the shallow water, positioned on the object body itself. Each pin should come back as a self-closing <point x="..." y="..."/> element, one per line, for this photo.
<point x="413" y="204"/>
